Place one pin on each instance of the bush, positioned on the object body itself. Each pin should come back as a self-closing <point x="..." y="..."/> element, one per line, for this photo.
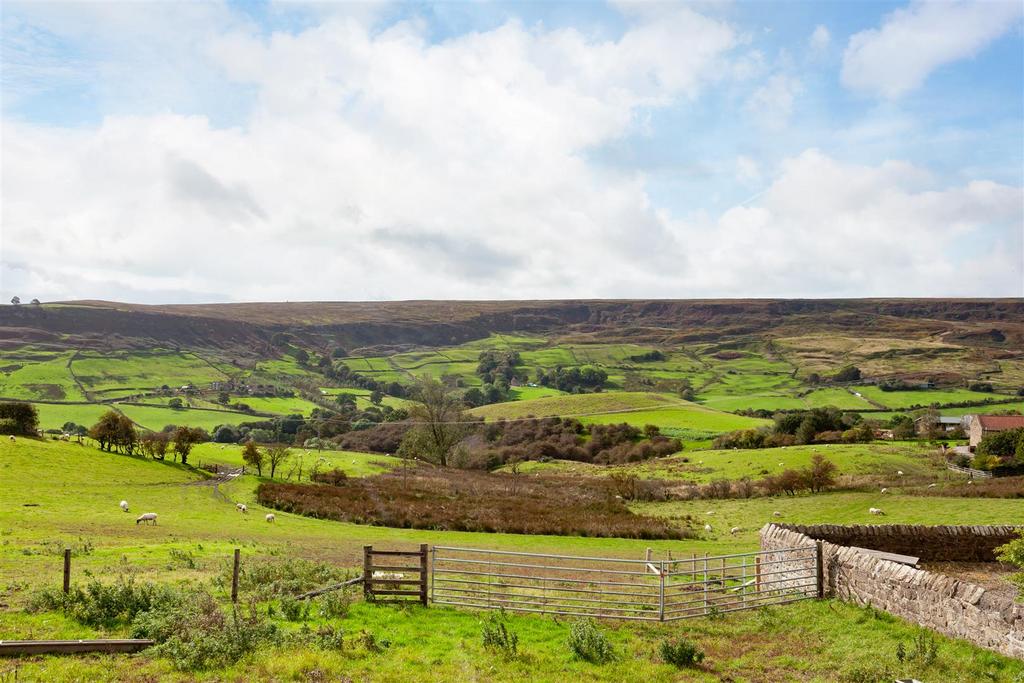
<point x="197" y="634"/>
<point x="589" y="643"/>
<point x="498" y="638"/>
<point x="681" y="653"/>
<point x="1013" y="553"/>
<point x="272" y="579"/>
<point x="294" y="610"/>
<point x="100" y="604"/>
<point x="334" y="604"/>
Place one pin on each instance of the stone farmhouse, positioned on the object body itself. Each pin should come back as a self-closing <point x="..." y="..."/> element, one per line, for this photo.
<point x="983" y="425"/>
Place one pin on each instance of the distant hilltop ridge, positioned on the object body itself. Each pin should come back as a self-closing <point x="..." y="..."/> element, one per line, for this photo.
<point x="104" y="324"/>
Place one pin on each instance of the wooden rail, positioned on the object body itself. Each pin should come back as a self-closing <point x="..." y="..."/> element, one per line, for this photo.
<point x="18" y="648"/>
<point x="973" y="473"/>
<point x="393" y="580"/>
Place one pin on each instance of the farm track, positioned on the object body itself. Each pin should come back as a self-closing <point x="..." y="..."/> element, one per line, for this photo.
<point x="216" y="481"/>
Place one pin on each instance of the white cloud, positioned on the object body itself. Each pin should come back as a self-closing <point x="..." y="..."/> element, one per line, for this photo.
<point x="820" y="38"/>
<point x="748" y="172"/>
<point x="368" y="156"/>
<point x="772" y="103"/>
<point x="376" y="164"/>
<point x="911" y="43"/>
<point x="824" y="228"/>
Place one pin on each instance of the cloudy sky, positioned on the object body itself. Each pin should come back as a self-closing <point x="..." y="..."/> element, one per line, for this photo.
<point x="182" y="152"/>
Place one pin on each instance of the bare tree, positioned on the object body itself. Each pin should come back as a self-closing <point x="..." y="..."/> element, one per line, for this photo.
<point x="440" y="423"/>
<point x="277" y="456"/>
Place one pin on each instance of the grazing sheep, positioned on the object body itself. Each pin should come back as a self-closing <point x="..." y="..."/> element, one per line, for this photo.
<point x="124" y="505"/>
<point x="885" y="490"/>
<point x="707" y="528"/>
<point x="782" y="464"/>
<point x="389" y="576"/>
<point x="875" y="511"/>
<point x="776" y="514"/>
<point x="735" y="530"/>
<point x="241" y="507"/>
<point x="147" y="517"/>
<point x="970" y="481"/>
<point x="899" y="473"/>
<point x="710" y="512"/>
<point x="12" y="438"/>
<point x="271" y="517"/>
<point x="931" y="486"/>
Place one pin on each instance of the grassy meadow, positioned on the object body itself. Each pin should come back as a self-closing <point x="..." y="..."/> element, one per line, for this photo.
<point x="60" y="495"/>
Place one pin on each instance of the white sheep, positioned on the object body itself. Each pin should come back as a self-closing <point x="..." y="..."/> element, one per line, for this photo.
<point x="147" y="517"/>
<point x="776" y="514"/>
<point x="931" y="486"/>
<point x="875" y="511"/>
<point x="735" y="530"/>
<point x="782" y="464"/>
<point x="389" y="576"/>
<point x="885" y="490"/>
<point x="241" y="507"/>
<point x="707" y="528"/>
<point x="970" y="481"/>
<point x="124" y="505"/>
<point x="899" y="473"/>
<point x="271" y="517"/>
<point x="12" y="438"/>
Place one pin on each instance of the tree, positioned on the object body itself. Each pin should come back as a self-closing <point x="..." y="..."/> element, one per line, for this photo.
<point x="21" y="418"/>
<point x="440" y="424"/>
<point x="35" y="302"/>
<point x="175" y="403"/>
<point x="254" y="457"/>
<point x="302" y="356"/>
<point x="902" y="427"/>
<point x="277" y="456"/>
<point x="1007" y="444"/>
<point x="223" y="397"/>
<point x="338" y="352"/>
<point x="15" y="300"/>
<point x="184" y="439"/>
<point x="851" y="373"/>
<point x="376" y="396"/>
<point x="821" y="474"/>
<point x="115" y="431"/>
<point x="154" y="444"/>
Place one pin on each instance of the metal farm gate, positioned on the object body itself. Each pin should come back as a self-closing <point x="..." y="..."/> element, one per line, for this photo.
<point x="646" y="590"/>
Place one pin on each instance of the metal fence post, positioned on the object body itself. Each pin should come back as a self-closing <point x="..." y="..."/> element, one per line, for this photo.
<point x="433" y="570"/>
<point x="661" y="591"/>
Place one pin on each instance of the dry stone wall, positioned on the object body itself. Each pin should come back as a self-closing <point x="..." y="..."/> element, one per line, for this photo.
<point x="942" y="603"/>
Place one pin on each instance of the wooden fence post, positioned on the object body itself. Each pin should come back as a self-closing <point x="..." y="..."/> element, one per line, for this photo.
<point x="367" y="570"/>
<point x="67" y="569"/>
<point x="423" y="574"/>
<point x="820" y="572"/>
<point x="234" y="576"/>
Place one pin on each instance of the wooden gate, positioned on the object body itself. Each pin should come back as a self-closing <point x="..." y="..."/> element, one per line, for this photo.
<point x="395" y="575"/>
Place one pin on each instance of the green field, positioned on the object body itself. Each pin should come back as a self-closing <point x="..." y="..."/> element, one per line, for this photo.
<point x="38" y="376"/>
<point x="638" y="408"/>
<point x="59" y="494"/>
<point x="143" y="370"/>
<point x="54" y="415"/>
<point x="925" y="397"/>
<point x="278" y="405"/>
<point x="156" y="418"/>
<point x="881" y="459"/>
<point x="530" y="393"/>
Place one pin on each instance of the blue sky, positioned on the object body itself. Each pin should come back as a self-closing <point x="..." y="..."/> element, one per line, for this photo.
<point x="673" y="149"/>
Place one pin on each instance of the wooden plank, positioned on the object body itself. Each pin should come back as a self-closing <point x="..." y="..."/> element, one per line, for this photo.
<point x="892" y="557"/>
<point x="397" y="553"/>
<point x="388" y="582"/>
<point x="389" y="568"/>
<point x="396" y="592"/>
<point x="423" y="574"/>
<point x="17" y="648"/>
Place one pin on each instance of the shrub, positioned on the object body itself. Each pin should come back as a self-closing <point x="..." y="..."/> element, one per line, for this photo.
<point x="197" y="634"/>
<point x="100" y="604"/>
<point x="271" y="579"/>
<point x="1013" y="553"/>
<point x="334" y="604"/>
<point x="681" y="652"/>
<point x="294" y="610"/>
<point x="498" y="638"/>
<point x="589" y="643"/>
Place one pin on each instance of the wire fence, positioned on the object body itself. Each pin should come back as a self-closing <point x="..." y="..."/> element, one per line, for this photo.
<point x="643" y="590"/>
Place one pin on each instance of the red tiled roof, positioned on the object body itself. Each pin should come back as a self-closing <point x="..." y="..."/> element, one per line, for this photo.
<point x="1000" y="422"/>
